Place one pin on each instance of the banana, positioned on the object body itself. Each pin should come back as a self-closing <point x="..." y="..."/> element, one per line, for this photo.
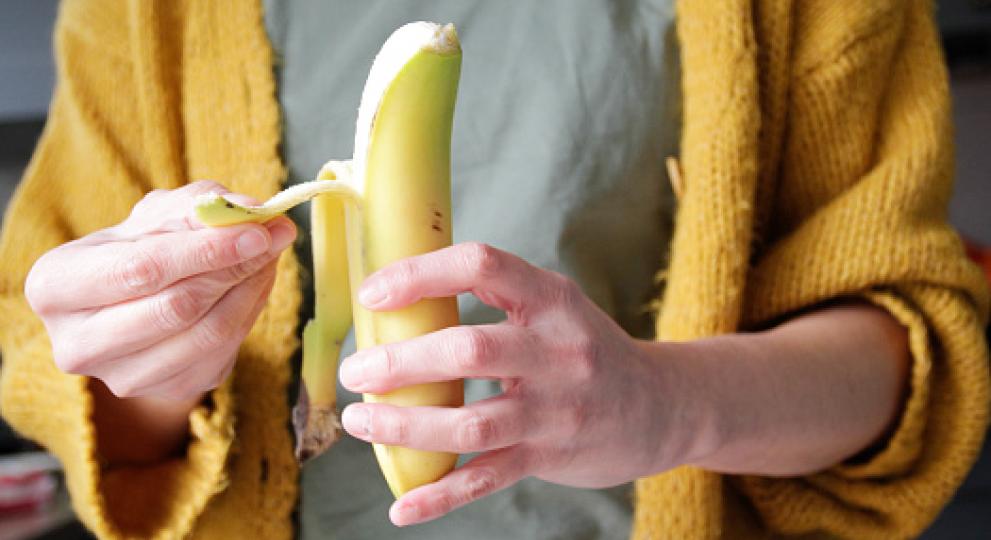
<point x="396" y="200"/>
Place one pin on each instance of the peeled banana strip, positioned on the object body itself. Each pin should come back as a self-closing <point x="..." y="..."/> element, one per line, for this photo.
<point x="214" y="210"/>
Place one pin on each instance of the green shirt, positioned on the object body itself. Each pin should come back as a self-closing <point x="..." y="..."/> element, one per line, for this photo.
<point x="565" y="114"/>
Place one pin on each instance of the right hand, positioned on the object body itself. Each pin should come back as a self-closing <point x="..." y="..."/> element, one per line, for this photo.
<point x="157" y="305"/>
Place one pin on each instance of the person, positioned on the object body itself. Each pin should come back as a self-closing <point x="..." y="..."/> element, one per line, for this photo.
<point x="817" y="366"/>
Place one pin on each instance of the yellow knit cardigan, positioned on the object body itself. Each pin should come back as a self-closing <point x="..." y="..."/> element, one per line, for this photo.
<point x="817" y="163"/>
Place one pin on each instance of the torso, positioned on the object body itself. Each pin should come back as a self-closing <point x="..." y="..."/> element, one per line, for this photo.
<point x="565" y="114"/>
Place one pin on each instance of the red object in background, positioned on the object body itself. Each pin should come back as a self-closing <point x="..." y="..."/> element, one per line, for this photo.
<point x="980" y="255"/>
<point x="27" y="481"/>
<point x="26" y="492"/>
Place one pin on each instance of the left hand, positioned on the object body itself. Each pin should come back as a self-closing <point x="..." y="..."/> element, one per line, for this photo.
<point x="581" y="401"/>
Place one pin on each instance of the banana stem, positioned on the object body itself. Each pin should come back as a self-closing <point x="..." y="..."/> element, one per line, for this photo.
<point x="315" y="420"/>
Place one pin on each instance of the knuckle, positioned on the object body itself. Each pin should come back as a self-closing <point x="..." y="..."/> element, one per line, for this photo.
<point x="446" y="501"/>
<point x="70" y="361"/>
<point x="75" y="353"/>
<point x="476" y="348"/>
<point x="476" y="432"/>
<point x="138" y="274"/>
<point x="390" y="362"/>
<point x="404" y="272"/>
<point x="566" y="289"/>
<point x="394" y="426"/>
<point x="178" y="309"/>
<point x="209" y="254"/>
<point x="36" y="291"/>
<point x="123" y="388"/>
<point x="479" y="483"/>
<point x="149" y="199"/>
<point x="484" y="260"/>
<point x="213" y="333"/>
<point x="583" y="370"/>
<point x="205" y="186"/>
<point x="582" y="373"/>
<point x="242" y="271"/>
<point x="578" y="354"/>
<point x="584" y="349"/>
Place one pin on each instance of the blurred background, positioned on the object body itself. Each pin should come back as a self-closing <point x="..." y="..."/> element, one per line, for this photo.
<point x="26" y="80"/>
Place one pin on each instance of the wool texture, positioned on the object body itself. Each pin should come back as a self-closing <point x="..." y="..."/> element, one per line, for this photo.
<point x="816" y="163"/>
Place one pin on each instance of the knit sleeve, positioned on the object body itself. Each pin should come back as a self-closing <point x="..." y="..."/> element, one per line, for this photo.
<point x="92" y="164"/>
<point x="865" y="178"/>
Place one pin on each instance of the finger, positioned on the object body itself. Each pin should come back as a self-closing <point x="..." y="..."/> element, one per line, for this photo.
<point x="485" y="351"/>
<point x="189" y="383"/>
<point x="93" y="276"/>
<point x="123" y="328"/>
<point x="484" y="425"/>
<point x="171" y="210"/>
<point x="213" y="338"/>
<point x="496" y="277"/>
<point x="205" y="376"/>
<point x="478" y="478"/>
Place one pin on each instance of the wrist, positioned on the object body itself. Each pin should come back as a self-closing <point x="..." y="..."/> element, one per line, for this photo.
<point x="685" y="396"/>
<point x="138" y="431"/>
<point x="792" y="400"/>
<point x="709" y="386"/>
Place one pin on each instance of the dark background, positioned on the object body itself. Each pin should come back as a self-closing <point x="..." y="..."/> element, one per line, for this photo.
<point x="27" y="76"/>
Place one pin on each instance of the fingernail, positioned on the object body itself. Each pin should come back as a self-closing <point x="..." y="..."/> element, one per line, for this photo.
<point x="351" y="372"/>
<point x="407" y="514"/>
<point x="372" y="293"/>
<point x="356" y="421"/>
<point x="251" y="244"/>
<point x="282" y="235"/>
